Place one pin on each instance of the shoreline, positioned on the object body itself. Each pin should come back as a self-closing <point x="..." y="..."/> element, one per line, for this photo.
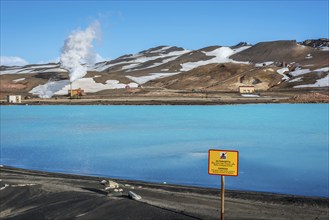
<point x="165" y="101"/>
<point x="179" y="97"/>
<point x="154" y="184"/>
<point x="159" y="201"/>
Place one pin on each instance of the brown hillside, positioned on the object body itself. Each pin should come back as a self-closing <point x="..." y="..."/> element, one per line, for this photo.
<point x="283" y="51"/>
<point x="228" y="76"/>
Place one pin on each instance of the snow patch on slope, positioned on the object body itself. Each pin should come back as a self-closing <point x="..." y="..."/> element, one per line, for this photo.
<point x="299" y="71"/>
<point x="18" y="80"/>
<point x="324" y="48"/>
<point x="152" y="76"/>
<point x="161" y="49"/>
<point x="324" y="69"/>
<point x="87" y="84"/>
<point x="45" y="68"/>
<point x="221" y="55"/>
<point x="299" y="79"/>
<point x="50" y="88"/>
<point x="264" y="64"/>
<point x="324" y="82"/>
<point x="139" y="59"/>
<point x="99" y="67"/>
<point x="90" y="86"/>
<point x="282" y="71"/>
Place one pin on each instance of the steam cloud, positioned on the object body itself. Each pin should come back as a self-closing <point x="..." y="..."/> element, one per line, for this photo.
<point x="77" y="50"/>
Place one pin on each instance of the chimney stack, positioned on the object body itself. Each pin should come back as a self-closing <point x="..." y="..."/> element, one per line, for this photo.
<point x="70" y="89"/>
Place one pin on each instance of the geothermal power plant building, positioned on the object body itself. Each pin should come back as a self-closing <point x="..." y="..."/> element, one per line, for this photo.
<point x="14" y="99"/>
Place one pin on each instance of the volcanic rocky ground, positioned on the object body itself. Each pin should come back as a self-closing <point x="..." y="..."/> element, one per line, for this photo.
<point x="26" y="194"/>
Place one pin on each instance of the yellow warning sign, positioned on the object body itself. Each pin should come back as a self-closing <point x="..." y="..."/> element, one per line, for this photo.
<point x="223" y="162"/>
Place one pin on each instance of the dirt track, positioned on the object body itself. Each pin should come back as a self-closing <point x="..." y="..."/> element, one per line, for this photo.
<point x="28" y="194"/>
<point x="150" y="101"/>
<point x="177" y="97"/>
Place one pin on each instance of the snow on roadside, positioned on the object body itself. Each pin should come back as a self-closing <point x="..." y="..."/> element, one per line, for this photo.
<point x="250" y="95"/>
<point x="27" y="184"/>
<point x="221" y="55"/>
<point x="282" y="71"/>
<point x="152" y="76"/>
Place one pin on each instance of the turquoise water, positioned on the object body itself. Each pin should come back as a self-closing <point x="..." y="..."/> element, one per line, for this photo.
<point x="283" y="148"/>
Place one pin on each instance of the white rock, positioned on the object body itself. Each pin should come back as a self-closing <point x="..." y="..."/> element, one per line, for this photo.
<point x="4" y="187"/>
<point x="112" y="185"/>
<point x="134" y="196"/>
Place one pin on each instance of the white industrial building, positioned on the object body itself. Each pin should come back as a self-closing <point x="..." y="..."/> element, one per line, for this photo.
<point x="14" y="99"/>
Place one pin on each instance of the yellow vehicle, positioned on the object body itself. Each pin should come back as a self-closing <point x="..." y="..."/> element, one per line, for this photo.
<point x="76" y="92"/>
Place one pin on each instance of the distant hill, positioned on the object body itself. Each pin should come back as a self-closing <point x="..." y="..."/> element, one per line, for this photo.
<point x="275" y="65"/>
<point x="282" y="51"/>
<point x="322" y="43"/>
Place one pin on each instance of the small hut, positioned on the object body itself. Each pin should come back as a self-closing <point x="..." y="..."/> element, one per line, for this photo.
<point x="247" y="89"/>
<point x="14" y="98"/>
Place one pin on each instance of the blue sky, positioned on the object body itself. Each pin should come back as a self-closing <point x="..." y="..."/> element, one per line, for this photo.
<point x="36" y="30"/>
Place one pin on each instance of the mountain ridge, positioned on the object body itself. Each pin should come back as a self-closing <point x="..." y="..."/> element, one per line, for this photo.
<point x="282" y="64"/>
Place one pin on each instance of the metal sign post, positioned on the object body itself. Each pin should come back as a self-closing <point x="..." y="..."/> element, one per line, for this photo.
<point x="223" y="163"/>
<point x="223" y="196"/>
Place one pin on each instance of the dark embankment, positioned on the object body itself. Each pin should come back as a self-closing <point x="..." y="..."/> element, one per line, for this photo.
<point x="26" y="194"/>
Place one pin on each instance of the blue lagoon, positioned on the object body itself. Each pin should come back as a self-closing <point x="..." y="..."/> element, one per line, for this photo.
<point x="283" y="148"/>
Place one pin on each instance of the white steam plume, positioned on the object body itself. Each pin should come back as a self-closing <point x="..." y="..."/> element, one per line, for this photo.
<point x="77" y="50"/>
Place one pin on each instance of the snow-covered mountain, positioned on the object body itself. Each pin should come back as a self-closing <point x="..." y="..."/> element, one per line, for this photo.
<point x="32" y="69"/>
<point x="266" y="65"/>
